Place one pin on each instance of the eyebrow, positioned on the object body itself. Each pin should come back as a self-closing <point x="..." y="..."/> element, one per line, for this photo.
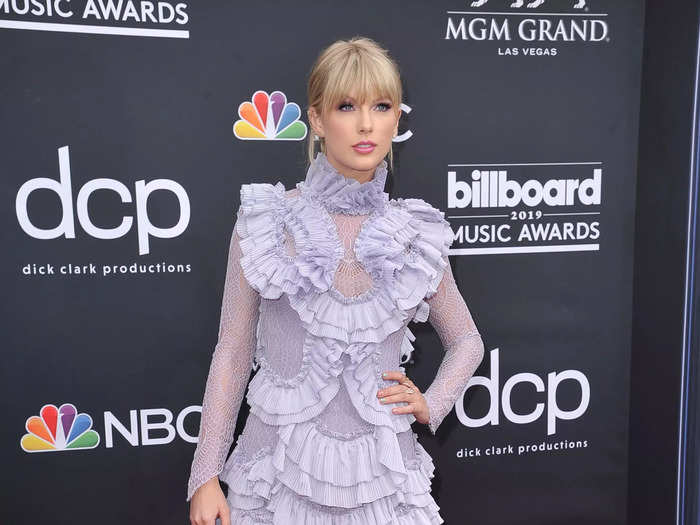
<point x="354" y="100"/>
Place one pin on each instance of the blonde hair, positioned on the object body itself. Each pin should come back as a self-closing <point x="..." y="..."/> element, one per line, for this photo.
<point x="360" y="63"/>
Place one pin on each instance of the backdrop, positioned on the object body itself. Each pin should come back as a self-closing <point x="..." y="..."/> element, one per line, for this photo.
<point x="125" y="136"/>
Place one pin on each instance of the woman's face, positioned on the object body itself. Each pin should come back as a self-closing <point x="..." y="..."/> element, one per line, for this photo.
<point x="348" y="124"/>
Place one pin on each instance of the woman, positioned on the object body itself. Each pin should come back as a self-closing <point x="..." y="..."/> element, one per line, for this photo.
<point x="321" y="282"/>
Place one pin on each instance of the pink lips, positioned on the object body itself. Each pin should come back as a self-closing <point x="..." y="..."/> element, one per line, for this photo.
<point x="366" y="146"/>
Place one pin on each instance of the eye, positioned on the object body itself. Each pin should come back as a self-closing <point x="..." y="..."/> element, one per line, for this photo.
<point x="383" y="106"/>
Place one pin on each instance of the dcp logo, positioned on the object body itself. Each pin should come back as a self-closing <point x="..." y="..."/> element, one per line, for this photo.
<point x="554" y="413"/>
<point x="66" y="227"/>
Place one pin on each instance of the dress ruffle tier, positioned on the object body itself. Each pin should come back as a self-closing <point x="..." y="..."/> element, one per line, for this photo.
<point x="309" y="476"/>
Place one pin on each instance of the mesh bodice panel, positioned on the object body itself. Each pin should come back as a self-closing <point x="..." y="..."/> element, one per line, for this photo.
<point x="350" y="278"/>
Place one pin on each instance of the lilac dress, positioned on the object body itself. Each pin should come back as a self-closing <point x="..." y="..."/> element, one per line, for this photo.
<point x="322" y="281"/>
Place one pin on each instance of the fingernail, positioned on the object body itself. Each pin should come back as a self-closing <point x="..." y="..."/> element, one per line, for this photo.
<point x="384" y="374"/>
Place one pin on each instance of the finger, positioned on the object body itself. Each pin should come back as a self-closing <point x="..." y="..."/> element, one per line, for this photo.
<point x="408" y="382"/>
<point x="396" y="398"/>
<point x="407" y="409"/>
<point x="225" y="515"/>
<point x="396" y="375"/>
<point x="393" y="389"/>
<point x="407" y="387"/>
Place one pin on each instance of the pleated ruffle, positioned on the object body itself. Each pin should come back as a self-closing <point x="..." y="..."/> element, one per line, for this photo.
<point x="263" y="216"/>
<point x="291" y="485"/>
<point x="281" y="401"/>
<point x="402" y="246"/>
<point x="366" y="469"/>
<point x="386" y="513"/>
<point x="340" y="194"/>
<point x="362" y="382"/>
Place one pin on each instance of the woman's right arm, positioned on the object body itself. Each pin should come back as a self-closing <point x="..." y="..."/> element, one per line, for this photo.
<point x="229" y="373"/>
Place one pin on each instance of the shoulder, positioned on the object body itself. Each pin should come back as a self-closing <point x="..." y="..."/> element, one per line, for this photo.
<point x="427" y="219"/>
<point x="263" y="208"/>
<point x="412" y="239"/>
<point x="419" y="209"/>
<point x="264" y="193"/>
<point x="253" y="192"/>
<point x="268" y="216"/>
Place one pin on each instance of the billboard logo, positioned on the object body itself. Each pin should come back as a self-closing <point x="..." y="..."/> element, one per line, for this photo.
<point x="493" y="189"/>
<point x="269" y="117"/>
<point x="59" y="429"/>
<point x="525" y="207"/>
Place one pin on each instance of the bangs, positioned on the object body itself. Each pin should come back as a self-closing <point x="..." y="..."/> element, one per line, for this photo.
<point x="361" y="77"/>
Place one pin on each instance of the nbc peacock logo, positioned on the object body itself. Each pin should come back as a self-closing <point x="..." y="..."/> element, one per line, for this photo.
<point x="269" y="117"/>
<point x="59" y="429"/>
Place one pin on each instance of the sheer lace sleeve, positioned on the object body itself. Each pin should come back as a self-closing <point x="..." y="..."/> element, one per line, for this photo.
<point x="464" y="348"/>
<point x="229" y="372"/>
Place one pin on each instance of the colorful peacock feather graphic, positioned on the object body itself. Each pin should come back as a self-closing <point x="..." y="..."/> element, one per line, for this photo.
<point x="269" y="117"/>
<point x="56" y="429"/>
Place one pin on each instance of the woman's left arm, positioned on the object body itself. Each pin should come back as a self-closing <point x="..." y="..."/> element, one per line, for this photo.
<point x="464" y="348"/>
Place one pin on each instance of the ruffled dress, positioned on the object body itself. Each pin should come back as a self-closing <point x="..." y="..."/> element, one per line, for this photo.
<point x="322" y="282"/>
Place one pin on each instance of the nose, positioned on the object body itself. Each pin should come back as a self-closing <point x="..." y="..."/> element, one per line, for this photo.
<point x="365" y="120"/>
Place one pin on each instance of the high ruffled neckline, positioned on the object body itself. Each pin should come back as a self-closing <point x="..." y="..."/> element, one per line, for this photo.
<point x="340" y="194"/>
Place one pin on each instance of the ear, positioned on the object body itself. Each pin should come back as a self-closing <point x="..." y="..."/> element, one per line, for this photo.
<point x="315" y="121"/>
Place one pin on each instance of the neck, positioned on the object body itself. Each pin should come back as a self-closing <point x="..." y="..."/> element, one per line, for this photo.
<point x="338" y="193"/>
<point x="349" y="173"/>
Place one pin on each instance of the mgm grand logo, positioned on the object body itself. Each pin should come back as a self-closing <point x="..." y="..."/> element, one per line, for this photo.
<point x="534" y="27"/>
